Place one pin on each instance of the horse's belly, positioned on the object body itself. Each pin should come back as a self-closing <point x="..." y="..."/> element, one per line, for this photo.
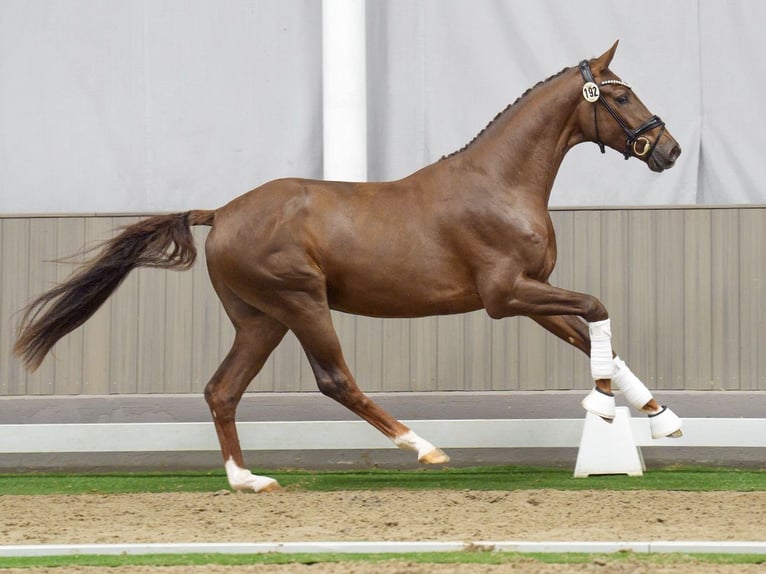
<point x="402" y="294"/>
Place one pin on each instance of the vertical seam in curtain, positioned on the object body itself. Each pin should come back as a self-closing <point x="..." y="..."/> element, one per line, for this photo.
<point x="699" y="196"/>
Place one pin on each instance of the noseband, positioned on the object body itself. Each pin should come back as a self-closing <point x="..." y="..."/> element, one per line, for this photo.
<point x="635" y="143"/>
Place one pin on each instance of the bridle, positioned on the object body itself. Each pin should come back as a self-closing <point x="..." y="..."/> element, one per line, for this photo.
<point x="635" y="143"/>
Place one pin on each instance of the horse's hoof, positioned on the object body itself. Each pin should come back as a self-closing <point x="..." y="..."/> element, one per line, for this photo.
<point x="665" y="424"/>
<point x="600" y="404"/>
<point x="258" y="484"/>
<point x="434" y="456"/>
<point x="270" y="487"/>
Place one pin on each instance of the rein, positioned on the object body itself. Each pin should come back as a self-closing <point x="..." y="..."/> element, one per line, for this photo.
<point x="634" y="138"/>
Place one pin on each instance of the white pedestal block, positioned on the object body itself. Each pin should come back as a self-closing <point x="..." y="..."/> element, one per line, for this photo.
<point x="608" y="448"/>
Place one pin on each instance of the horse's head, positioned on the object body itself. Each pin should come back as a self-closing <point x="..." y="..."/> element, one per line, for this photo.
<point x="611" y="114"/>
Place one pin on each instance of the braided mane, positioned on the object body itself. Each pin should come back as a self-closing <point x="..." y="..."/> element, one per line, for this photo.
<point x="503" y="111"/>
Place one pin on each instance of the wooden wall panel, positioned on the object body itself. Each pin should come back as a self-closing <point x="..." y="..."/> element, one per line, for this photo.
<point x="668" y="271"/>
<point x="15" y="276"/>
<point x="126" y="307"/>
<point x="423" y="354"/>
<point x="725" y="310"/>
<point x="42" y="242"/>
<point x="697" y="292"/>
<point x="685" y="288"/>
<point x="752" y="278"/>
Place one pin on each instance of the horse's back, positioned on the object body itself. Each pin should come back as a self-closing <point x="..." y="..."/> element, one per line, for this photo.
<point x="378" y="248"/>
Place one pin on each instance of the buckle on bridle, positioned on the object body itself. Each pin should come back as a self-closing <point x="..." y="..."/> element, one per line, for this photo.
<point x="645" y="150"/>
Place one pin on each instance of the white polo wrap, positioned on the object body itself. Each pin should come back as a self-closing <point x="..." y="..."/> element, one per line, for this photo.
<point x="601" y="364"/>
<point x="635" y="392"/>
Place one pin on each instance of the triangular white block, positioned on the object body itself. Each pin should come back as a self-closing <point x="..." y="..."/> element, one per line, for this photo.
<point x="608" y="448"/>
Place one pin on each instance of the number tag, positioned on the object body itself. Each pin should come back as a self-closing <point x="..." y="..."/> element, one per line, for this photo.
<point x="590" y="92"/>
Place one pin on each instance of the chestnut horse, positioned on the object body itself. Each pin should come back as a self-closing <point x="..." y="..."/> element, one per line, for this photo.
<point x="471" y="231"/>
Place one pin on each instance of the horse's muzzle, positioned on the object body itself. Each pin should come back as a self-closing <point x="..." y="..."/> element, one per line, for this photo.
<point x="664" y="156"/>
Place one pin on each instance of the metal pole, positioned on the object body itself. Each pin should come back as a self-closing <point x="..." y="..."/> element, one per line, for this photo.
<point x="344" y="73"/>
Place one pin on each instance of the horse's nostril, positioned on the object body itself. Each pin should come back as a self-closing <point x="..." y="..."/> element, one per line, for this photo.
<point x="674" y="153"/>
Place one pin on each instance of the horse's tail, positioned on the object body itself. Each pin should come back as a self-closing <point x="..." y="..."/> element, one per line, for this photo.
<point x="163" y="241"/>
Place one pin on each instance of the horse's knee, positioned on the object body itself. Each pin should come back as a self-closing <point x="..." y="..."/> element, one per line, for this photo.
<point x="595" y="311"/>
<point x="222" y="404"/>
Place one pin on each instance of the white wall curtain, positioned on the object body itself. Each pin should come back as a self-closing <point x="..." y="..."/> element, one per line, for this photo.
<point x="129" y="106"/>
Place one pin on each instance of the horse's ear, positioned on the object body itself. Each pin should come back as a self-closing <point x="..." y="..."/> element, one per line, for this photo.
<point x="603" y="61"/>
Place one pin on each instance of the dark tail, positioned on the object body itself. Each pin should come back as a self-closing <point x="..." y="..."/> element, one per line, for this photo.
<point x="163" y="241"/>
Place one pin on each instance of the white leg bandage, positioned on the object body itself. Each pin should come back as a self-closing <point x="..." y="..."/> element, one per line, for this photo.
<point x="243" y="479"/>
<point x="635" y="392"/>
<point x="601" y="364"/>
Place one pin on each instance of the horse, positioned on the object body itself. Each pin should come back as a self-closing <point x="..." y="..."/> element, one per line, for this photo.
<point x="470" y="231"/>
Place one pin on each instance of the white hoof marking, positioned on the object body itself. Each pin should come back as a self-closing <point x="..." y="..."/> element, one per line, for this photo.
<point x="426" y="451"/>
<point x="243" y="479"/>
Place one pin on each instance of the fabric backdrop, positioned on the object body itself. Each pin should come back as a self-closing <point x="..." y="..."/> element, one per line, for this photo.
<point x="128" y="106"/>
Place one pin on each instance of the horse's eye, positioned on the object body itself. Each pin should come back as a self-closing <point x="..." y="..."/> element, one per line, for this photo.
<point x="622" y="99"/>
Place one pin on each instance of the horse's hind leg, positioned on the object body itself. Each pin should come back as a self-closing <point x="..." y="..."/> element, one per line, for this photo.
<point x="571" y="329"/>
<point x="317" y="335"/>
<point x="256" y="337"/>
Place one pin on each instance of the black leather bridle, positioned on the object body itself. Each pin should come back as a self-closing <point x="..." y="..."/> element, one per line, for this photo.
<point x="636" y="143"/>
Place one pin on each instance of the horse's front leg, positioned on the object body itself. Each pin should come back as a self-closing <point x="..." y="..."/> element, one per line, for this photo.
<point x="532" y="298"/>
<point x="663" y="421"/>
<point x="558" y="311"/>
<point x="577" y="333"/>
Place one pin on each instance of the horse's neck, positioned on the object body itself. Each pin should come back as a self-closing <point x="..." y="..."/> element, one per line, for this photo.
<point x="524" y="147"/>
